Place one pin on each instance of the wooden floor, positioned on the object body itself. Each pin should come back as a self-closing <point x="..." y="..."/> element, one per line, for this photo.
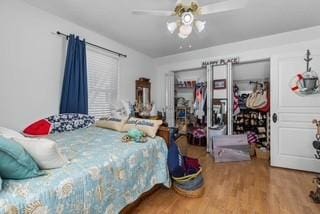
<point x="242" y="187"/>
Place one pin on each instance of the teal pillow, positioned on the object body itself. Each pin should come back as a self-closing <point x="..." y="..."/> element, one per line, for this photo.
<point x="15" y="162"/>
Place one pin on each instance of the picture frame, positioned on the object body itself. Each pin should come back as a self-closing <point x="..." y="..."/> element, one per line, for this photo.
<point x="219" y="84"/>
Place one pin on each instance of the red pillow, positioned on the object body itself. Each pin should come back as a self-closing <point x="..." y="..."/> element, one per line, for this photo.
<point x="39" y="128"/>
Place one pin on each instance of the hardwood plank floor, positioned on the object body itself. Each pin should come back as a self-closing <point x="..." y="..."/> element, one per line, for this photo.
<point x="241" y="187"/>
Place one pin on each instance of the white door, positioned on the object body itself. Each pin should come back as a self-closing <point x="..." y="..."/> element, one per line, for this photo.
<point x="170" y="99"/>
<point x="292" y="132"/>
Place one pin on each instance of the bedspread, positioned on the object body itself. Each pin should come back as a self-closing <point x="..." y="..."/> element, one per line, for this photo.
<point x="104" y="175"/>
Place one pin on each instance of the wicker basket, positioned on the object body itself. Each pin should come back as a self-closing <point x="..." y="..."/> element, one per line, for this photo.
<point x="187" y="178"/>
<point x="263" y="154"/>
<point x="182" y="143"/>
<point x="190" y="194"/>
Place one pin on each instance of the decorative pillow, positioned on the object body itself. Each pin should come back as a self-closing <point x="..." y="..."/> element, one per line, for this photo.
<point x="150" y="127"/>
<point x="112" y="123"/>
<point x="44" y="151"/>
<point x="70" y="122"/>
<point x="40" y="128"/>
<point x="15" y="162"/>
<point x="9" y="133"/>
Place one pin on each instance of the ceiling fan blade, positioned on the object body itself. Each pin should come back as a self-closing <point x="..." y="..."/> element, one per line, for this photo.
<point x="154" y="12"/>
<point x="223" y="6"/>
<point x="179" y="2"/>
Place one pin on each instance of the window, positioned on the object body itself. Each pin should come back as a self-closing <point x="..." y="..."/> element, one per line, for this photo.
<point x="102" y="82"/>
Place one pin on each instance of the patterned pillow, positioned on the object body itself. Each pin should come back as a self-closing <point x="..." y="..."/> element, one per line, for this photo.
<point x="70" y="122"/>
<point x="150" y="127"/>
<point x="112" y="123"/>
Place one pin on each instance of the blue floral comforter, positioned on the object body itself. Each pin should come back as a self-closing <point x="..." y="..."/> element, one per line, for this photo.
<point x="104" y="175"/>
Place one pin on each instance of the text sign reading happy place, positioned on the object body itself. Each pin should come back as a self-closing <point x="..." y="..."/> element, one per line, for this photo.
<point x="234" y="60"/>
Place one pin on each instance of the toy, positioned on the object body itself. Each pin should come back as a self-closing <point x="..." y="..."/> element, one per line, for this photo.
<point x="135" y="135"/>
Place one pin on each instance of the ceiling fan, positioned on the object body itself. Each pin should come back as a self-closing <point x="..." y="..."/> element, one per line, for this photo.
<point x="188" y="12"/>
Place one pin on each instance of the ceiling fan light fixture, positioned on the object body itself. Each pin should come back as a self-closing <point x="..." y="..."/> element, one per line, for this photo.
<point x="185" y="30"/>
<point x="200" y="25"/>
<point x="172" y="26"/>
<point x="187" y="18"/>
<point x="182" y="36"/>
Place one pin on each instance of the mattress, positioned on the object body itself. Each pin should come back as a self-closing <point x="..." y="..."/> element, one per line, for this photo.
<point x="104" y="175"/>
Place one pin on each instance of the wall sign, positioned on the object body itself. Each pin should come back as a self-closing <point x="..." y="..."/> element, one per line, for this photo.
<point x="234" y="60"/>
<point x="306" y="83"/>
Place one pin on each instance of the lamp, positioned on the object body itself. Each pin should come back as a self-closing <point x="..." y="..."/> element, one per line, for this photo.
<point x="172" y="26"/>
<point x="200" y="25"/>
<point x="187" y="18"/>
<point x="185" y="25"/>
<point x="185" y="31"/>
<point x="182" y="36"/>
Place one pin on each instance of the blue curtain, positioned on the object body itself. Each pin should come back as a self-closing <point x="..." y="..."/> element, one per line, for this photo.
<point x="74" y="98"/>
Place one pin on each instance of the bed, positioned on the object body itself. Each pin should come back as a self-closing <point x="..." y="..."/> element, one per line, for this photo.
<point x="104" y="175"/>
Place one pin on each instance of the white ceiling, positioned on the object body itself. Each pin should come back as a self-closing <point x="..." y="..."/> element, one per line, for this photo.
<point x="149" y="35"/>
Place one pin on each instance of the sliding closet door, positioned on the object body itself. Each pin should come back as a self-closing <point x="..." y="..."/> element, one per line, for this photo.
<point x="292" y="131"/>
<point x="209" y="70"/>
<point x="170" y="99"/>
<point x="230" y="98"/>
<point x="222" y="93"/>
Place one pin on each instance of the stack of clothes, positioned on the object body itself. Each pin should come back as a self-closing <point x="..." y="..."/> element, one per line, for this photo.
<point x="185" y="172"/>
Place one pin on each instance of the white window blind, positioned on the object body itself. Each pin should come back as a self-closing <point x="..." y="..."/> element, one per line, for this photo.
<point x="102" y="82"/>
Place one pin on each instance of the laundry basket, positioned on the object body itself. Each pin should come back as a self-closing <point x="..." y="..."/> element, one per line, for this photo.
<point x="190" y="194"/>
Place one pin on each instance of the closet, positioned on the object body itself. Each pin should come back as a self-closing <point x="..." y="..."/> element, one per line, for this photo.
<point x="190" y="106"/>
<point x="251" y="101"/>
<point x="240" y="101"/>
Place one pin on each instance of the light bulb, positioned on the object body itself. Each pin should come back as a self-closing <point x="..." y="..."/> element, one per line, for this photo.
<point x="185" y="30"/>
<point x="200" y="25"/>
<point x="172" y="26"/>
<point x="187" y="18"/>
<point x="182" y="36"/>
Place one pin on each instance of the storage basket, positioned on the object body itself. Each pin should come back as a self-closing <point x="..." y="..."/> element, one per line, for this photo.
<point x="182" y="143"/>
<point x="190" y="194"/>
<point x="262" y="154"/>
<point x="187" y="178"/>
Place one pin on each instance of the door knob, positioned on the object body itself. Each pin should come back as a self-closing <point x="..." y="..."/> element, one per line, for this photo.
<point x="274" y="117"/>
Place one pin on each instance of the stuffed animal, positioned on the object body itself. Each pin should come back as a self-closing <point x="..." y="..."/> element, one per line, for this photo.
<point x="135" y="135"/>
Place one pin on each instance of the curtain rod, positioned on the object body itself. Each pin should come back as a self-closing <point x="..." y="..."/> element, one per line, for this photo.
<point x="97" y="46"/>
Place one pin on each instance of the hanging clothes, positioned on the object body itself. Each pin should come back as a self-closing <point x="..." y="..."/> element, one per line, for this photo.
<point x="200" y="101"/>
<point x="236" y="98"/>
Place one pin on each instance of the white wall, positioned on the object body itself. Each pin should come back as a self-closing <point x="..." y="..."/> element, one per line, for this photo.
<point x="256" y="71"/>
<point x="254" y="49"/>
<point x="32" y="63"/>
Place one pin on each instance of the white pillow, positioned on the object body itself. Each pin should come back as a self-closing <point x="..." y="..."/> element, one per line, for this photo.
<point x="9" y="133"/>
<point x="44" y="152"/>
